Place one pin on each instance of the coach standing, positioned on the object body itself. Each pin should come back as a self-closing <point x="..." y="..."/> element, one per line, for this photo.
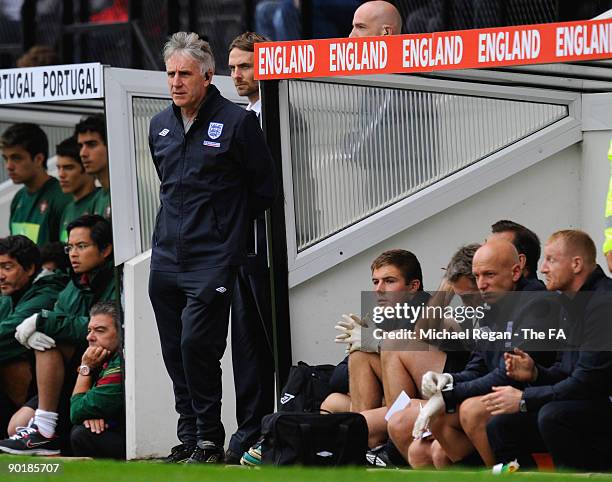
<point x="215" y="172"/>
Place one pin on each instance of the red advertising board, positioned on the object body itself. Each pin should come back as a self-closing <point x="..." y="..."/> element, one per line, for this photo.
<point x="462" y="49"/>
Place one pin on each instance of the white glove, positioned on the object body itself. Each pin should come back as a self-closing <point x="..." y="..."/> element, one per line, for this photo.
<point x="350" y="333"/>
<point x="39" y="341"/>
<point x="434" y="406"/>
<point x="433" y="382"/>
<point x="25" y="329"/>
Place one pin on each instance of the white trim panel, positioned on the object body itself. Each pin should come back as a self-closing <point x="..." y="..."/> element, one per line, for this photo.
<point x="597" y="112"/>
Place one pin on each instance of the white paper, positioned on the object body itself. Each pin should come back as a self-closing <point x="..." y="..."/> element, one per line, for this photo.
<point x="401" y="402"/>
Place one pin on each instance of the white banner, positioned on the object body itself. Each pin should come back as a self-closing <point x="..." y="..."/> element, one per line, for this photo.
<point x="50" y="83"/>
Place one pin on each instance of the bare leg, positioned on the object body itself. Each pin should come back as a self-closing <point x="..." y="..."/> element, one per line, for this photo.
<point x="377" y="426"/>
<point x="50" y="376"/>
<point x="336" y="402"/>
<point x="473" y="417"/>
<point x="419" y="454"/>
<point x="447" y="430"/>
<point x="438" y="456"/>
<point x="401" y="424"/>
<point x="20" y="418"/>
<point x="16" y="377"/>
<point x="404" y="370"/>
<point x="365" y="377"/>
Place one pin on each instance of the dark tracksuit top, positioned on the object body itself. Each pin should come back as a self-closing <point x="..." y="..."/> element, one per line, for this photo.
<point x="67" y="321"/>
<point x="214" y="180"/>
<point x="583" y="374"/>
<point x="41" y="294"/>
<point x="485" y="368"/>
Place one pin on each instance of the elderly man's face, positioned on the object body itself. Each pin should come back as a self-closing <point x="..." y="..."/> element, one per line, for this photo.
<point x="186" y="82"/>
<point x="102" y="332"/>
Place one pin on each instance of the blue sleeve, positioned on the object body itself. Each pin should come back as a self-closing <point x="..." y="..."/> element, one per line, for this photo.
<point x="476" y="367"/>
<point x="258" y="165"/>
<point x="590" y="379"/>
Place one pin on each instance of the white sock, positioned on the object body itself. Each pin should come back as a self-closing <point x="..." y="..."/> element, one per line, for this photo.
<point x="46" y="422"/>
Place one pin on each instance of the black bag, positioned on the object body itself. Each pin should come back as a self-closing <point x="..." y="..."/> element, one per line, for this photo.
<point x="306" y="388"/>
<point x="314" y="439"/>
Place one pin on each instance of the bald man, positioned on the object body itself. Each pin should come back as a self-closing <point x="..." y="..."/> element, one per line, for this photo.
<point x="376" y="18"/>
<point x="497" y="270"/>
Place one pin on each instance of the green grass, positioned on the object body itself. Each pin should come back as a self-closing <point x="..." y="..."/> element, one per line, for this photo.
<point x="93" y="471"/>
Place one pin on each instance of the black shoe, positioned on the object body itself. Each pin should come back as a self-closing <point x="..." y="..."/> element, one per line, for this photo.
<point x="206" y="452"/>
<point x="179" y="453"/>
<point x="29" y="441"/>
<point x="232" y="458"/>
<point x="378" y="457"/>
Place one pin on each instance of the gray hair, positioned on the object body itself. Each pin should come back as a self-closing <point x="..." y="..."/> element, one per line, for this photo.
<point x="108" y="308"/>
<point x="189" y="43"/>
<point x="461" y="263"/>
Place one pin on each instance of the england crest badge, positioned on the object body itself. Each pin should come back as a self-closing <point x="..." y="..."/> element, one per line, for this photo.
<point x="214" y="130"/>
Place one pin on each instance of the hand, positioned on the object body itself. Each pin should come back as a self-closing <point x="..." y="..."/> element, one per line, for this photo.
<point x="39" y="341"/>
<point x="25" y="329"/>
<point x="94" y="356"/>
<point x="96" y="425"/>
<point x="350" y="333"/>
<point x="503" y="400"/>
<point x="434" y="406"/>
<point x="433" y="383"/>
<point x="520" y="366"/>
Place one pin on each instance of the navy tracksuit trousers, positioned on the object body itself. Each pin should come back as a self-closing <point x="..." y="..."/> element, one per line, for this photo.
<point x="192" y="313"/>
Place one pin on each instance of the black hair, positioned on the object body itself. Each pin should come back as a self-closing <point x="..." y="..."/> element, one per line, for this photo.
<point x="29" y="136"/>
<point x="525" y="241"/>
<point x="100" y="228"/>
<point x="94" y="123"/>
<point x="22" y="249"/>
<point x="69" y="148"/>
<point x="54" y="252"/>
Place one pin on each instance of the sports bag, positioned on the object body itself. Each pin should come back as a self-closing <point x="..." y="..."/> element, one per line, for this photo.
<point x="314" y="439"/>
<point x="306" y="388"/>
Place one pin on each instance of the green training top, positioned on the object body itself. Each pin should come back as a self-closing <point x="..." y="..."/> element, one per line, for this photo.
<point x="75" y="209"/>
<point x="37" y="215"/>
<point x="104" y="399"/>
<point x="67" y="321"/>
<point x="40" y="295"/>
<point x="102" y="204"/>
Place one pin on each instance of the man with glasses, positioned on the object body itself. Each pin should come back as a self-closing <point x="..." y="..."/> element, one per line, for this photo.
<point x="59" y="351"/>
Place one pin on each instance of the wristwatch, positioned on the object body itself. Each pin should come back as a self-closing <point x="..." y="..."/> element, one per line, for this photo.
<point x="522" y="406"/>
<point x="84" y="370"/>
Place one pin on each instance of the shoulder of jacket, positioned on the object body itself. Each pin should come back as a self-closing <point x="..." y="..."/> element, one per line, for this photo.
<point x="162" y="115"/>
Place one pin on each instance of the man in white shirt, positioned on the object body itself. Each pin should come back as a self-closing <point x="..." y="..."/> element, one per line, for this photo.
<point x="252" y="356"/>
<point x="242" y="68"/>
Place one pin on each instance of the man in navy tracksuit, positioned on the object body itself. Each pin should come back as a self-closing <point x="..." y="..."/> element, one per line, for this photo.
<point x="216" y="175"/>
<point x="514" y="307"/>
<point x="566" y="409"/>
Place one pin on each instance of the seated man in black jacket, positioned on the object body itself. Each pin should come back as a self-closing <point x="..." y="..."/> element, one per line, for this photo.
<point x="497" y="271"/>
<point x="565" y="409"/>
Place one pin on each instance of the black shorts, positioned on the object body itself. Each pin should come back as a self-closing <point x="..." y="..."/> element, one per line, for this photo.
<point x="456" y="361"/>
